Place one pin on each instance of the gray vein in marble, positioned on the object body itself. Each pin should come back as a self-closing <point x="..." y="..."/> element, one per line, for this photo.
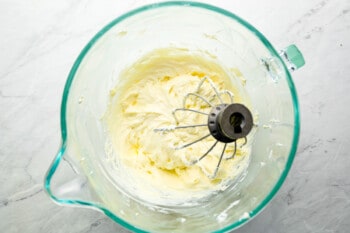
<point x="96" y="224"/>
<point x="22" y="195"/>
<point x="12" y="96"/>
<point x="311" y="12"/>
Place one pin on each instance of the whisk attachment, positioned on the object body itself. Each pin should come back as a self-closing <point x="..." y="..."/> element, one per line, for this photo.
<point x="227" y="122"/>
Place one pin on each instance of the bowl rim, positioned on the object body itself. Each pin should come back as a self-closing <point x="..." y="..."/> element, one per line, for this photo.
<point x="84" y="52"/>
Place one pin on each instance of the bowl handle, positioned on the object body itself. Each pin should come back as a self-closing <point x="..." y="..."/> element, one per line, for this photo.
<point x="292" y="57"/>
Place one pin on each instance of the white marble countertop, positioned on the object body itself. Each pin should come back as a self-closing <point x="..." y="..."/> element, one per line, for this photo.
<point x="40" y="41"/>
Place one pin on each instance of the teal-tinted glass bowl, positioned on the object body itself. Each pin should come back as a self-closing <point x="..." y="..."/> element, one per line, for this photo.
<point x="78" y="175"/>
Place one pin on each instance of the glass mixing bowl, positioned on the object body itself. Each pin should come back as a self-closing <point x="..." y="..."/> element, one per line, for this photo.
<point x="78" y="174"/>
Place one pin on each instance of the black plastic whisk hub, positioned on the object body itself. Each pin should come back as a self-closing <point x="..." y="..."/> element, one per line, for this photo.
<point x="229" y="122"/>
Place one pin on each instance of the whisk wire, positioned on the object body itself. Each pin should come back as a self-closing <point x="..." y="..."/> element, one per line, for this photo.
<point x="230" y="94"/>
<point x="206" y="153"/>
<point x="187" y="109"/>
<point x="191" y="143"/>
<point x="245" y="141"/>
<point x="220" y="159"/>
<point x="171" y="128"/>
<point x="198" y="96"/>
<point x="212" y="85"/>
<point x="234" y="151"/>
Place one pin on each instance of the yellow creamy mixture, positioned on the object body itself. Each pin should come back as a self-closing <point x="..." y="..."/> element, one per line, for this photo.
<point x="144" y="100"/>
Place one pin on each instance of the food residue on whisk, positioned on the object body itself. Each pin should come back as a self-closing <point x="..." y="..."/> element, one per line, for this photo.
<point x="144" y="100"/>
